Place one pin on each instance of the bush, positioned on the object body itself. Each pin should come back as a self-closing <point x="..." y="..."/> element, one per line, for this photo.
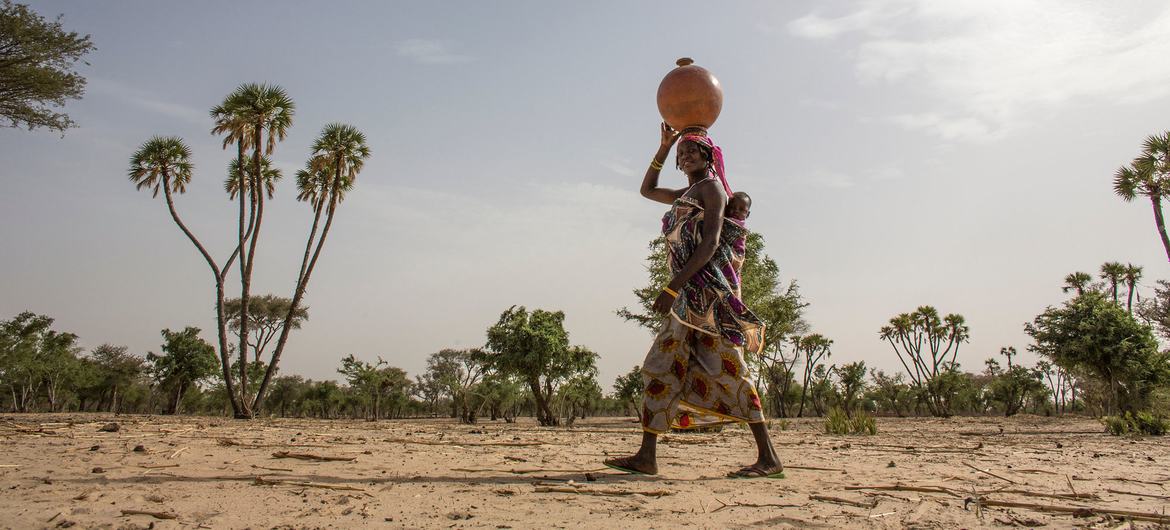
<point x="837" y="422"/>
<point x="1137" y="424"/>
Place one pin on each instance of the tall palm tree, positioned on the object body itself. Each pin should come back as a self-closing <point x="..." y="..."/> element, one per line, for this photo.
<point x="338" y="155"/>
<point x="269" y="176"/>
<point x="243" y="117"/>
<point x="1077" y="281"/>
<point x="165" y="163"/>
<point x="1149" y="176"/>
<point x="1132" y="274"/>
<point x="1113" y="272"/>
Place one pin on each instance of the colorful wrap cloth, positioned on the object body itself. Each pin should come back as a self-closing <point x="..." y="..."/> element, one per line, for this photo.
<point x="710" y="301"/>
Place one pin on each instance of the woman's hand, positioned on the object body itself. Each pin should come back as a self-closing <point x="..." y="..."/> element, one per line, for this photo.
<point x="669" y="135"/>
<point x="663" y="303"/>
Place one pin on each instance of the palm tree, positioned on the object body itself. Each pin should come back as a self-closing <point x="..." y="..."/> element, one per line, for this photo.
<point x="1077" y="281"/>
<point x="1113" y="272"/>
<point x="338" y="155"/>
<point x="1149" y="176"/>
<point x="243" y="117"/>
<point x="269" y="175"/>
<point x="1132" y="274"/>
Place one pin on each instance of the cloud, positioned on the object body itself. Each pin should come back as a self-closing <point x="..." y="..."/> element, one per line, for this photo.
<point x="991" y="67"/>
<point x="425" y="51"/>
<point x="621" y="168"/>
<point x="146" y="100"/>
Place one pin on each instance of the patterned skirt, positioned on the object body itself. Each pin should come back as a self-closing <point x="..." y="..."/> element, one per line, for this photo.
<point x="688" y="373"/>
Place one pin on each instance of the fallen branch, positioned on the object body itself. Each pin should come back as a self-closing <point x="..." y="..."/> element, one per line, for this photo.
<point x="309" y="456"/>
<point x="990" y="473"/>
<point x="1067" y="496"/>
<point x="156" y="515"/>
<point x="1078" y="511"/>
<point x="157" y="466"/>
<point x="468" y="444"/>
<point x="1138" y="494"/>
<point x="1005" y="433"/>
<point x="271" y="468"/>
<point x="734" y="504"/>
<point x="176" y="453"/>
<point x="607" y="492"/>
<point x="825" y="498"/>
<point x="901" y="487"/>
<point x="810" y="468"/>
<point x="261" y="481"/>
<point x="526" y="471"/>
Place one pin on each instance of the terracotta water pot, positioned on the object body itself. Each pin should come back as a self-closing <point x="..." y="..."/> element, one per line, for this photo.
<point x="689" y="96"/>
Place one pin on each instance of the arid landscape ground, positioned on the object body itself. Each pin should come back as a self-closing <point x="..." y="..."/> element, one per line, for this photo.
<point x="199" y="472"/>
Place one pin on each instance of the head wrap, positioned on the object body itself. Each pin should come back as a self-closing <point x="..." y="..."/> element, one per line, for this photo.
<point x="716" y="157"/>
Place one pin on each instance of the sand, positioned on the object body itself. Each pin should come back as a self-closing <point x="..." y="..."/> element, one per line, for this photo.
<point x="198" y="472"/>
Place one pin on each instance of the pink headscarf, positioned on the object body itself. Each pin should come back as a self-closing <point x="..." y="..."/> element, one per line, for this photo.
<point x="716" y="157"/>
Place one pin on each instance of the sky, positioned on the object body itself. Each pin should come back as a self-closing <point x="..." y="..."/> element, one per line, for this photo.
<point x="899" y="153"/>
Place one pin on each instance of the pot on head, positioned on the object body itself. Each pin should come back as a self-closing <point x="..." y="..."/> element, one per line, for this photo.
<point x="689" y="97"/>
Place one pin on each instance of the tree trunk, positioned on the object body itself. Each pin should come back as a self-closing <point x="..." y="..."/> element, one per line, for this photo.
<point x="543" y="414"/>
<point x="1156" y="201"/>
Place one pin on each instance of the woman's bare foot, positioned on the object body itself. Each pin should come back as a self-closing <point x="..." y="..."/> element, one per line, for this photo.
<point x="636" y="464"/>
<point x="759" y="470"/>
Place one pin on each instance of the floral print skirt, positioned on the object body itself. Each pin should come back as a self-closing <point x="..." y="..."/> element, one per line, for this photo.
<point x="689" y="374"/>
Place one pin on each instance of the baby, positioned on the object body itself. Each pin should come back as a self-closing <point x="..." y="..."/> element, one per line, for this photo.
<point x="739" y="207"/>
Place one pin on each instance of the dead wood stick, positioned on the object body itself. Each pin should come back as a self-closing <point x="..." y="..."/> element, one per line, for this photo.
<point x="614" y="492"/>
<point x="156" y="515"/>
<point x="1036" y="471"/>
<point x="1123" y="479"/>
<point x="309" y="456"/>
<point x="734" y="504"/>
<point x="902" y="487"/>
<point x="811" y="468"/>
<point x="157" y="466"/>
<point x="825" y="498"/>
<point x="1070" y="486"/>
<point x="990" y="473"/>
<point x="1076" y="510"/>
<point x="469" y="444"/>
<point x="261" y="481"/>
<point x="1138" y="494"/>
<point x="526" y="471"/>
<point x="1026" y="493"/>
<point x="176" y="453"/>
<point x="271" y="468"/>
<point x="1005" y="433"/>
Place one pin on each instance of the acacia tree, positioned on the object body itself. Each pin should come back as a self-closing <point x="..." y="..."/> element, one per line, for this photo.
<point x="812" y="348"/>
<point x="266" y="316"/>
<point x="185" y="362"/>
<point x="117" y="370"/>
<point x="1090" y="334"/>
<point x="1148" y="176"/>
<point x="535" y="347"/>
<point x="851" y="379"/>
<point x="456" y="373"/>
<point x="628" y="389"/>
<point x="931" y="345"/>
<point x="366" y="378"/>
<point x="37" y="61"/>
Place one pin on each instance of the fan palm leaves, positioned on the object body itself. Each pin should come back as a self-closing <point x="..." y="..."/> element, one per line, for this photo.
<point x="1131" y="276"/>
<point x="1077" y="281"/>
<point x="342" y="148"/>
<point x="1113" y="273"/>
<point x="269" y="175"/>
<point x="162" y="161"/>
<point x="1148" y="176"/>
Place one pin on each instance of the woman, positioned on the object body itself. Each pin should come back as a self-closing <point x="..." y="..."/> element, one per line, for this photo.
<point x="697" y="358"/>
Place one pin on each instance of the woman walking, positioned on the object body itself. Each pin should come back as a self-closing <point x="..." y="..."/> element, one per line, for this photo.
<point x="697" y="357"/>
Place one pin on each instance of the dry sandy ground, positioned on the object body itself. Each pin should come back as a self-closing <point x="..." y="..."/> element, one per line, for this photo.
<point x="60" y="471"/>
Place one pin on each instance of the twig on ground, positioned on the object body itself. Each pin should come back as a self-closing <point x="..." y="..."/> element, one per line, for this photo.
<point x="735" y="504"/>
<point x="468" y="444"/>
<point x="156" y="515"/>
<point x="157" y="466"/>
<point x="176" y="453"/>
<point x="1138" y="494"/>
<point x="1026" y="493"/>
<point x="310" y="456"/>
<point x="825" y="498"/>
<point x="261" y="481"/>
<point x="811" y="468"/>
<point x="614" y="492"/>
<point x="990" y="473"/>
<point x="271" y="468"/>
<point x="525" y="471"/>
<point x="902" y="487"/>
<point x="1070" y="486"/>
<point x="1079" y="511"/>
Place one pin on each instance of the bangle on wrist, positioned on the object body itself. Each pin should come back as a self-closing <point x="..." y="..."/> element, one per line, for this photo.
<point x="670" y="291"/>
<point x="655" y="164"/>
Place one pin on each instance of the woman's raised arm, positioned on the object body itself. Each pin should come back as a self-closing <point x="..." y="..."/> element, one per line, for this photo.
<point x="650" y="189"/>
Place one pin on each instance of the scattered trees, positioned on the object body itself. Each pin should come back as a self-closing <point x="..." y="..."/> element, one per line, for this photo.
<point x="931" y="345"/>
<point x="186" y="361"/>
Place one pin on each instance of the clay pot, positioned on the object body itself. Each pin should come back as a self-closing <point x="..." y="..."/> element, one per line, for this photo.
<point x="689" y="97"/>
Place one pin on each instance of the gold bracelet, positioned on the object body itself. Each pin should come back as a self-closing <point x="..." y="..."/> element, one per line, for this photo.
<point x="655" y="164"/>
<point x="670" y="291"/>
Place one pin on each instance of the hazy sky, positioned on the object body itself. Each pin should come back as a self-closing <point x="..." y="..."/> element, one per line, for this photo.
<point x="900" y="153"/>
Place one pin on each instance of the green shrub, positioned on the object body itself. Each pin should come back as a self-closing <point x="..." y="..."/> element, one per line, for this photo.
<point x="1141" y="423"/>
<point x="839" y="423"/>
